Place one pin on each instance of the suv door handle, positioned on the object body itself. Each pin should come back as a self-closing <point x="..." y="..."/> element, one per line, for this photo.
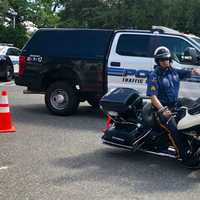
<point x="115" y="64"/>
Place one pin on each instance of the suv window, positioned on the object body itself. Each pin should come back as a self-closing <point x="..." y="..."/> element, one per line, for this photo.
<point x="134" y="45"/>
<point x="16" y="52"/>
<point x="177" y="46"/>
<point x="12" y="52"/>
<point x="69" y="43"/>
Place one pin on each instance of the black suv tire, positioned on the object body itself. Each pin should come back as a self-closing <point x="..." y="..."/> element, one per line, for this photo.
<point x="7" y="69"/>
<point x="61" y="98"/>
<point x="9" y="73"/>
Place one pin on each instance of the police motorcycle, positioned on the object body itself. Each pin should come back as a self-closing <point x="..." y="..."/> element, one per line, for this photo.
<point x="133" y="124"/>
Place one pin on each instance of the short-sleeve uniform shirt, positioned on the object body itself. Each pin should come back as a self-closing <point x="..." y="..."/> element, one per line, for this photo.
<point x="165" y="84"/>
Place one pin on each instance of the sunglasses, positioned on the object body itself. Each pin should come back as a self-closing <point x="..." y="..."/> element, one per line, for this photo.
<point x="164" y="59"/>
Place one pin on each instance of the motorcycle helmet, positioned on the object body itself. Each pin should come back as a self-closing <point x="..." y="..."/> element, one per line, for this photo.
<point x="162" y="53"/>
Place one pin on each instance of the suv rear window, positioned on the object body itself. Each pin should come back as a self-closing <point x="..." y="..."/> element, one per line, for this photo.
<point x="134" y="45"/>
<point x="13" y="52"/>
<point x="69" y="43"/>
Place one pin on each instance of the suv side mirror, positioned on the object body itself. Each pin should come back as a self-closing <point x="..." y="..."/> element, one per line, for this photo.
<point x="190" y="56"/>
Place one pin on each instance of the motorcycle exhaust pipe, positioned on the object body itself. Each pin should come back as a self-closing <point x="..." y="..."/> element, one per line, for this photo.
<point x="131" y="148"/>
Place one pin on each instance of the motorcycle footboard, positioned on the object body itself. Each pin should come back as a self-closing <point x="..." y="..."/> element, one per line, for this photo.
<point x="114" y="144"/>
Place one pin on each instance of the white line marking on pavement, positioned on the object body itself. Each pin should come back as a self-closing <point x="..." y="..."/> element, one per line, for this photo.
<point x="3" y="167"/>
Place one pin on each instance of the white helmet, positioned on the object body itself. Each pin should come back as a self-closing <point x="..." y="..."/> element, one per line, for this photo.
<point x="162" y="53"/>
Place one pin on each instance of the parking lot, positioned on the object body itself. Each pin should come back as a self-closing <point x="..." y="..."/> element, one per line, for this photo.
<point x="62" y="158"/>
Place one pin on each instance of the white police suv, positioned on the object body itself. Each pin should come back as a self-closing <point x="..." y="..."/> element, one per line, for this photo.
<point x="12" y="53"/>
<point x="131" y="57"/>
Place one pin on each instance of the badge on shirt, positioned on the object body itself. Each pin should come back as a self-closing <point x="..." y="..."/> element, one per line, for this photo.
<point x="175" y="77"/>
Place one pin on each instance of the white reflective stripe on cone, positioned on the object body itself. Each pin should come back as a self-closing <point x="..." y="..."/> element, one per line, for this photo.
<point x="4" y="109"/>
<point x="3" y="99"/>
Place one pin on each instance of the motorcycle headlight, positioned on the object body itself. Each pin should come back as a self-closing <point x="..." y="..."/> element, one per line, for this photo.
<point x="113" y="113"/>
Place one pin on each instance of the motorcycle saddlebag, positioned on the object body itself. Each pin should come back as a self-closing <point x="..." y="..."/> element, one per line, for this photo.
<point x="120" y="137"/>
<point x="119" y="100"/>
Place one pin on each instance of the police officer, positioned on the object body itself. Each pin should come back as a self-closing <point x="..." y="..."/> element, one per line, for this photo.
<point x="163" y="88"/>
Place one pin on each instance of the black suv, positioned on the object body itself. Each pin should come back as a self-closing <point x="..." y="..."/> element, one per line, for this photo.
<point x="67" y="65"/>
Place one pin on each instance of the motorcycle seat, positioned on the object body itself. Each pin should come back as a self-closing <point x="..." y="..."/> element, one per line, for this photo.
<point x="189" y="102"/>
<point x="192" y="105"/>
<point x="194" y="110"/>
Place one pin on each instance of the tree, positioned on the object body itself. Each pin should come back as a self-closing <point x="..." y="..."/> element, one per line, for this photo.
<point x="17" y="36"/>
<point x="44" y="12"/>
<point x="4" y="6"/>
<point x="182" y="15"/>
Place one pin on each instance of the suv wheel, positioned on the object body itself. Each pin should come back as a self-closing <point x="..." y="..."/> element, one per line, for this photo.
<point x="61" y="98"/>
<point x="9" y="73"/>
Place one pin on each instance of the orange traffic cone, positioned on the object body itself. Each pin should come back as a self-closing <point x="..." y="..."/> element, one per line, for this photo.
<point x="5" y="116"/>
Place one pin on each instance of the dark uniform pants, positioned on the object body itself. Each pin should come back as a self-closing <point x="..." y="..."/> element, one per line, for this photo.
<point x="177" y="139"/>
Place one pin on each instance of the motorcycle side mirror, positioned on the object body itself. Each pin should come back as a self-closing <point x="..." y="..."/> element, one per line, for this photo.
<point x="190" y="56"/>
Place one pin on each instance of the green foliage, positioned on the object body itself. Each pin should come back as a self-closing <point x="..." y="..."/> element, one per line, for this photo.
<point x="40" y="12"/>
<point x="3" y="10"/>
<point x="43" y="12"/>
<point x="17" y="36"/>
<point x="21" y="7"/>
<point x="182" y="15"/>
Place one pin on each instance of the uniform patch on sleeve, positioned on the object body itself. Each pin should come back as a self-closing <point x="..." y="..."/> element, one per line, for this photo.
<point x="153" y="88"/>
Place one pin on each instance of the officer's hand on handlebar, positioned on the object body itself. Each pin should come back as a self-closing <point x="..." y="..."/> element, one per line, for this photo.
<point x="167" y="113"/>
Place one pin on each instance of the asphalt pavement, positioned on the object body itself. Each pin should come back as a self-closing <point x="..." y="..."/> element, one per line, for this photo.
<point x="62" y="158"/>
